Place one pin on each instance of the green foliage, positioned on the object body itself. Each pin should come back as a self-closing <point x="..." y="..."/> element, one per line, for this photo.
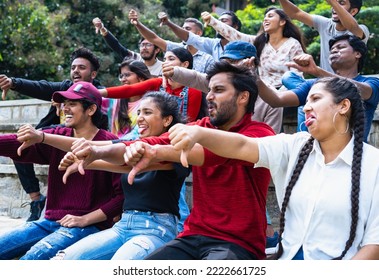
<point x="370" y="17"/>
<point x="27" y="37"/>
<point x="37" y="37"/>
<point x="252" y="17"/>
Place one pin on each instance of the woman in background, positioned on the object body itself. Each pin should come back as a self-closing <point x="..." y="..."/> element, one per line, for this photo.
<point x="124" y="111"/>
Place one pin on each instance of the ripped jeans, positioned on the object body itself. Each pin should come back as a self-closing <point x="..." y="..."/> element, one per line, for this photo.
<point x="40" y="240"/>
<point x="135" y="236"/>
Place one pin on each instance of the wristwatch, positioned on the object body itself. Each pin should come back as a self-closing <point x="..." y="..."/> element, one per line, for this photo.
<point x="103" y="31"/>
<point x="14" y="82"/>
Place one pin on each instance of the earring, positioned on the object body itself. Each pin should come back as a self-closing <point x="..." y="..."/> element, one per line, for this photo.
<point x="347" y="124"/>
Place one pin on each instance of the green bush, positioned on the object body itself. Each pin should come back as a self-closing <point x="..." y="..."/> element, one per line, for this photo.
<point x="37" y="37"/>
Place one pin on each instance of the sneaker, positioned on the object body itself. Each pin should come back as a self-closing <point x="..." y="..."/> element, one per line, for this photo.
<point x="36" y="208"/>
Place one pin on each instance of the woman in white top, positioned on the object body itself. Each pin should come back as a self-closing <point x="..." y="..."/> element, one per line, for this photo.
<point x="327" y="180"/>
<point x="278" y="41"/>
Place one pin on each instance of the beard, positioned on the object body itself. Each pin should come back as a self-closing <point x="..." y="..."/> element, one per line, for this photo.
<point x="148" y="56"/>
<point x="224" y="113"/>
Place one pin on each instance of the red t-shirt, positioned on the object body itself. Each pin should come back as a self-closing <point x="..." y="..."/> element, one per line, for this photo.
<point x="229" y="196"/>
<point x="127" y="91"/>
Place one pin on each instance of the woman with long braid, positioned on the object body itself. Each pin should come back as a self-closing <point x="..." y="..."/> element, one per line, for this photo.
<point x="327" y="180"/>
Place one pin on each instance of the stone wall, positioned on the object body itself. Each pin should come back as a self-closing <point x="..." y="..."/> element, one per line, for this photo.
<point x="18" y="112"/>
<point x="12" y="115"/>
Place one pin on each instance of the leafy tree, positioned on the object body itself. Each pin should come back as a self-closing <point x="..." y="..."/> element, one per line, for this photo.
<point x="37" y="37"/>
<point x="252" y="17"/>
<point x="28" y="33"/>
<point x="370" y="17"/>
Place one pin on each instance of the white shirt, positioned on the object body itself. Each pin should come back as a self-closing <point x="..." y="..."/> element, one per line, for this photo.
<point x="318" y="214"/>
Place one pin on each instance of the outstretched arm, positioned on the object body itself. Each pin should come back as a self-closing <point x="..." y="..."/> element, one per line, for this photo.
<point x="127" y="91"/>
<point x="30" y="136"/>
<point x="228" y="144"/>
<point x="142" y="156"/>
<point x="71" y="164"/>
<point x="305" y="63"/>
<point x="295" y="13"/>
<point x="88" y="151"/>
<point x="228" y="32"/>
<point x="276" y="98"/>
<point x="147" y="33"/>
<point x="347" y="19"/>
<point x="5" y="85"/>
<point x="188" y="77"/>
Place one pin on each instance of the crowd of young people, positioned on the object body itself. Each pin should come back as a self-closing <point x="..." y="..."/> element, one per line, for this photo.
<point x="222" y="122"/>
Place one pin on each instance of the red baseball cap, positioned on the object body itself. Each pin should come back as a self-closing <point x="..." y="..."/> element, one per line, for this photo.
<point x="80" y="90"/>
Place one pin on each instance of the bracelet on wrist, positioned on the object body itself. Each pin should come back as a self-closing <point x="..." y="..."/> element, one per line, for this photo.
<point x="43" y="137"/>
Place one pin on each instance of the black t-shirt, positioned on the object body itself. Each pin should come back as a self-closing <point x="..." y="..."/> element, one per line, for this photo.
<point x="155" y="191"/>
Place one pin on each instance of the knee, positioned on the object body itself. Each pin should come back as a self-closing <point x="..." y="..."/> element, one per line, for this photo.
<point x="138" y="248"/>
<point x="40" y="251"/>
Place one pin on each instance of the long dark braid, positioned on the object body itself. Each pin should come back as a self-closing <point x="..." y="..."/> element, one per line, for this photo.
<point x="357" y="125"/>
<point x="340" y="89"/>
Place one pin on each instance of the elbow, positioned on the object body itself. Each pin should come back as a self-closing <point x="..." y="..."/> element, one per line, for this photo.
<point x="103" y="92"/>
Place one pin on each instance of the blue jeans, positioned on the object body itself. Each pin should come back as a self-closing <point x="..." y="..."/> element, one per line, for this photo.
<point x="183" y="208"/>
<point x="40" y="240"/>
<point x="135" y="236"/>
<point x="291" y="80"/>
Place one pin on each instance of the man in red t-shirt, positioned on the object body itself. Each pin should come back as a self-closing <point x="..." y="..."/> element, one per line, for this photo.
<point x="228" y="219"/>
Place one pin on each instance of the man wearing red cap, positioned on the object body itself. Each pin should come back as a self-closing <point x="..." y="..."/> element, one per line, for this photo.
<point x="85" y="204"/>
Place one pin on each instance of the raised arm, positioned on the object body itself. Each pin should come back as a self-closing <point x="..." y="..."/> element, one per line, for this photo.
<point x="295" y="13"/>
<point x="145" y="32"/>
<point x="227" y="31"/>
<point x="112" y="41"/>
<point x="347" y="19"/>
<point x="180" y="32"/>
